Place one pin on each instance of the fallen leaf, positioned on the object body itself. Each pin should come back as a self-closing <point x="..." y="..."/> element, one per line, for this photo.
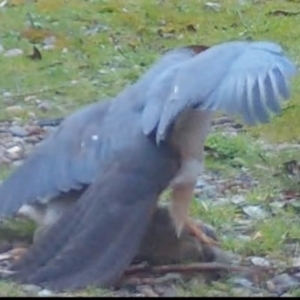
<point x="191" y="28"/>
<point x="16" y="2"/>
<point x="257" y="235"/>
<point x="14" y="254"/>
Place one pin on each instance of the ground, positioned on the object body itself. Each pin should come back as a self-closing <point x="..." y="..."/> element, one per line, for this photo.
<point x="89" y="50"/>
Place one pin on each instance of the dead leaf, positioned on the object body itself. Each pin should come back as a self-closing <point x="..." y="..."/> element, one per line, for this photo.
<point x="39" y="35"/>
<point x="16" y="2"/>
<point x="257" y="235"/>
<point x="198" y="48"/>
<point x="36" y="55"/>
<point x="191" y="28"/>
<point x="166" y="31"/>
<point x="14" y="254"/>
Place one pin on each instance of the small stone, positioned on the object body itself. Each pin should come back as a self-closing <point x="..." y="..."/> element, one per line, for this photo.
<point x="48" y="47"/>
<point x="238" y="199"/>
<point x="14" y="109"/>
<point x="29" y="98"/>
<point x="296" y="262"/>
<point x="1" y="49"/>
<point x="14" y="153"/>
<point x="31" y="289"/>
<point x="284" y="279"/>
<point x="146" y="291"/>
<point x="165" y="290"/>
<point x="255" y="212"/>
<point x="45" y="293"/>
<point x="277" y="206"/>
<point x="13" y="52"/>
<point x="7" y="94"/>
<point x="212" y="6"/>
<point x="260" y="261"/>
<point x="282" y="283"/>
<point x="3" y="3"/>
<point x="286" y="295"/>
<point x="242" y="292"/>
<point x="44" y="106"/>
<point x="241" y="282"/>
<point x="18" y="131"/>
<point x="245" y="238"/>
<point x="49" y="41"/>
<point x="216" y="293"/>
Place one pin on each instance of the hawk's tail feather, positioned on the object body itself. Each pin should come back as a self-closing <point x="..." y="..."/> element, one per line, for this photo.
<point x="97" y="239"/>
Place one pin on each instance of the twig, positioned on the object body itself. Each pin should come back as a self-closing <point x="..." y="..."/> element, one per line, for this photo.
<point x="41" y="91"/>
<point x="137" y="268"/>
<point x="135" y="275"/>
<point x="117" y="47"/>
<point x="49" y="122"/>
<point x="194" y="267"/>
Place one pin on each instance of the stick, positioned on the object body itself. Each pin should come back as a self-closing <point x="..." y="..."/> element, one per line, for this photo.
<point x="193" y="267"/>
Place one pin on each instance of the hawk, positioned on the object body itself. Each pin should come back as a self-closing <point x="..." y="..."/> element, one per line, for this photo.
<point x="116" y="157"/>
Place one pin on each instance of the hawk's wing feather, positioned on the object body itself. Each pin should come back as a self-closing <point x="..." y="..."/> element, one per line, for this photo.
<point x="245" y="78"/>
<point x="67" y="159"/>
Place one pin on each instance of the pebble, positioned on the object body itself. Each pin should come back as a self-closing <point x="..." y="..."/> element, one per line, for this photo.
<point x="238" y="199"/>
<point x="254" y="212"/>
<point x="241" y="292"/>
<point x="15" y="109"/>
<point x="31" y="289"/>
<point x="45" y="293"/>
<point x="18" y="131"/>
<point x="260" y="261"/>
<point x="15" y="152"/>
<point x="212" y="6"/>
<point x="241" y="282"/>
<point x="13" y="52"/>
<point x="147" y="291"/>
<point x="282" y="283"/>
<point x="165" y="290"/>
<point x="44" y="106"/>
<point x="29" y="98"/>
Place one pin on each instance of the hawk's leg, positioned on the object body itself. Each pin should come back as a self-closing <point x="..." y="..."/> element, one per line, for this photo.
<point x="182" y="195"/>
<point x="183" y="186"/>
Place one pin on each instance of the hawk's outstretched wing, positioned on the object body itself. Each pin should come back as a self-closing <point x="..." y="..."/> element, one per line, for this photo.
<point x="66" y="160"/>
<point x="238" y="78"/>
<point x="71" y="157"/>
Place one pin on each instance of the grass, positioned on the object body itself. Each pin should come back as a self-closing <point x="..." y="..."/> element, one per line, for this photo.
<point x="101" y="46"/>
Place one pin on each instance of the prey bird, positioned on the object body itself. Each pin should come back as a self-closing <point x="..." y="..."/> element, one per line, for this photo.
<point x="117" y="156"/>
